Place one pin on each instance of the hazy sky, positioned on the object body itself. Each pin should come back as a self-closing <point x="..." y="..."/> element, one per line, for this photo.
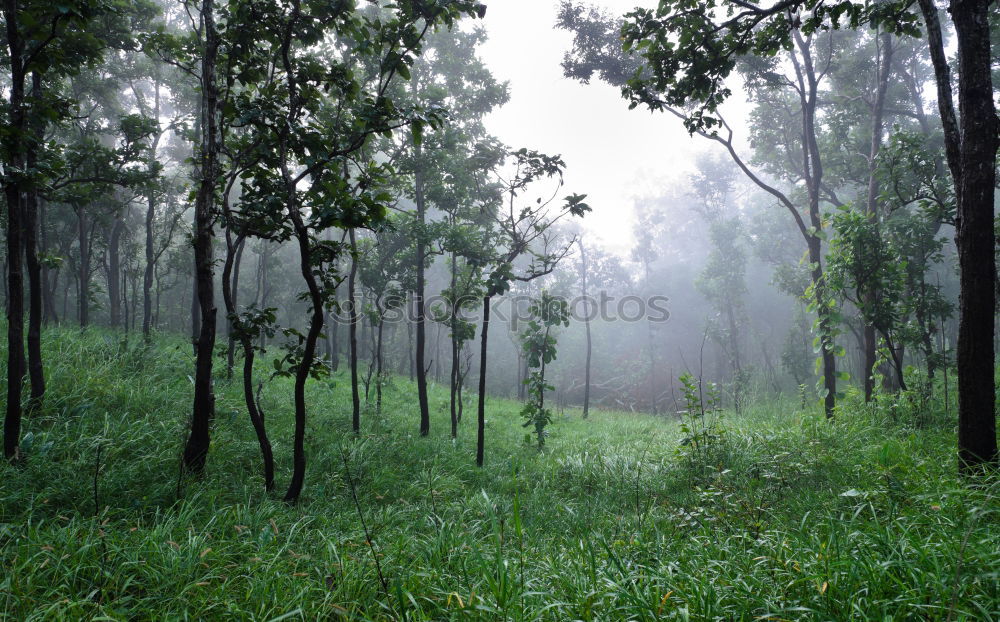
<point x="612" y="154"/>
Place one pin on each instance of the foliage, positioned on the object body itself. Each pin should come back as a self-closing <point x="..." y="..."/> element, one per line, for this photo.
<point x="547" y="312"/>
<point x="702" y="445"/>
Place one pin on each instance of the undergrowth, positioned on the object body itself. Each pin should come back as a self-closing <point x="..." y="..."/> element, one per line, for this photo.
<point x="774" y="514"/>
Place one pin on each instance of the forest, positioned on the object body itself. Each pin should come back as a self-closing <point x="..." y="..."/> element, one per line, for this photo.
<point x="296" y="328"/>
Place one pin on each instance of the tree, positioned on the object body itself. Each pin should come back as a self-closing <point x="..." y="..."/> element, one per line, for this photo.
<point x="384" y="270"/>
<point x="520" y="229"/>
<point x="448" y="75"/>
<point x="723" y="279"/>
<point x="694" y="72"/>
<point x="206" y="174"/>
<point x="315" y="125"/>
<point x="586" y="321"/>
<point x="44" y="42"/>
<point x="547" y="312"/>
<point x="682" y="82"/>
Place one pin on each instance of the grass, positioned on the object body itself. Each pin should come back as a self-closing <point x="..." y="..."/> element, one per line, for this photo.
<point x="780" y="516"/>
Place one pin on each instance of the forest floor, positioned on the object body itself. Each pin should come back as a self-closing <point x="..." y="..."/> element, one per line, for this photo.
<point x="773" y="514"/>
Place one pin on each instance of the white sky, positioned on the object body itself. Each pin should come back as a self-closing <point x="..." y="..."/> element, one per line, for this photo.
<point x="612" y="154"/>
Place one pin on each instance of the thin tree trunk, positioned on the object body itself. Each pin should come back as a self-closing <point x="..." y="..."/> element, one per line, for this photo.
<point x="231" y="282"/>
<point x="36" y="370"/>
<point x="308" y="355"/>
<point x="353" y="335"/>
<point x="148" y="273"/>
<point x="418" y="296"/>
<point x="378" y="364"/>
<point x="332" y="328"/>
<point x="196" y="451"/>
<point x="813" y="174"/>
<point x="16" y="119"/>
<point x="586" y="323"/>
<point x="83" y="237"/>
<point x="256" y="416"/>
<point x="114" y="273"/>
<point x="453" y="378"/>
<point x="49" y="282"/>
<point x="871" y="203"/>
<point x="481" y="411"/>
<point x="870" y="349"/>
<point x="409" y="348"/>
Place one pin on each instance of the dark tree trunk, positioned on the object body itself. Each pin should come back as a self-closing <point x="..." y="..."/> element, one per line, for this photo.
<point x="231" y="281"/>
<point x="352" y="302"/>
<point x="481" y="410"/>
<point x="196" y="451"/>
<point x="418" y="298"/>
<point x="36" y="370"/>
<point x="453" y="378"/>
<point x="460" y="388"/>
<point x="256" y="416"/>
<point x="409" y="348"/>
<point x="308" y="355"/>
<point x="971" y="154"/>
<point x="15" y="225"/>
<point x="977" y="438"/>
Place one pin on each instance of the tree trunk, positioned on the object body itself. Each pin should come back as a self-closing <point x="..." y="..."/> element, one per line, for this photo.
<point x="871" y="203"/>
<point x="36" y="370"/>
<point x="15" y="225"/>
<point x="813" y="174"/>
<point x="83" y="238"/>
<point x="971" y="155"/>
<point x="378" y="364"/>
<point x="870" y="348"/>
<point x="586" y="323"/>
<point x="825" y="327"/>
<point x="332" y="328"/>
<point x="256" y="416"/>
<point x="49" y="283"/>
<point x="481" y="411"/>
<point x="453" y="378"/>
<point x="195" y="312"/>
<point x="974" y="237"/>
<point x="230" y="282"/>
<point x="196" y="451"/>
<point x="148" y="273"/>
<point x="409" y="348"/>
<point x="308" y="355"/>
<point x="418" y="297"/>
<point x="353" y="335"/>
<point x="114" y="273"/>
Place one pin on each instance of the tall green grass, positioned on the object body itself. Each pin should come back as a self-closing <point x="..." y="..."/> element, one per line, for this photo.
<point x="786" y="517"/>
